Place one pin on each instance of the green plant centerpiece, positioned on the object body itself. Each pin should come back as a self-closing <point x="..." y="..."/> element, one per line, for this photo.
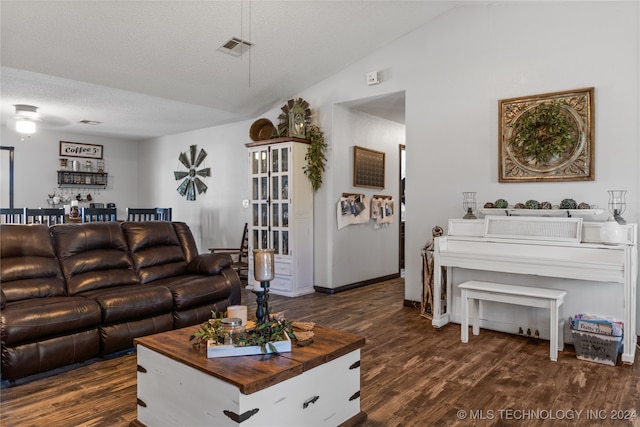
<point x="265" y="334"/>
<point x="543" y="134"/>
<point x="262" y="335"/>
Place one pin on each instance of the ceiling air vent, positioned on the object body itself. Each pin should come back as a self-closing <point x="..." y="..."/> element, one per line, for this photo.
<point x="89" y="122"/>
<point x="235" y="46"/>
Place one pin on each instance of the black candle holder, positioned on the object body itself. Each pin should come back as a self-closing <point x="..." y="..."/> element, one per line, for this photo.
<point x="262" y="301"/>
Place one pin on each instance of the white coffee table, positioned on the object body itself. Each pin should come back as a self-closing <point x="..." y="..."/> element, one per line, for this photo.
<point x="315" y="385"/>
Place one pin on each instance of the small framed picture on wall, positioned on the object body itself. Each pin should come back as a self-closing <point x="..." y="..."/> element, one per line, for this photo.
<point x="368" y="168"/>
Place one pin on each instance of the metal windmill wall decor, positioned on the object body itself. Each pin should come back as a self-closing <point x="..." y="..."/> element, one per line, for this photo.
<point x="192" y="181"/>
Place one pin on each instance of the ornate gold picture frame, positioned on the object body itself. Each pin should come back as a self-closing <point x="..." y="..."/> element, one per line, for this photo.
<point x="547" y="137"/>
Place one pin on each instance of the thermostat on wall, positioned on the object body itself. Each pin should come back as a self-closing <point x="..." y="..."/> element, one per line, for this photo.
<point x="373" y="78"/>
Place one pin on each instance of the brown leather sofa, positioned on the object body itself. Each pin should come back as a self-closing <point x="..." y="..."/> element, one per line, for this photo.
<point x="73" y="292"/>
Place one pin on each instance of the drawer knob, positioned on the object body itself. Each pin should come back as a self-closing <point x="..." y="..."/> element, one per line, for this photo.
<point x="308" y="402"/>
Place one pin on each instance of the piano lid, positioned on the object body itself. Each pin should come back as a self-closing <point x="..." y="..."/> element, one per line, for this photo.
<point x="542" y="230"/>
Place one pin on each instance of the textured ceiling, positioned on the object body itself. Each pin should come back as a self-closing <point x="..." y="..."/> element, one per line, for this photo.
<point x="152" y="68"/>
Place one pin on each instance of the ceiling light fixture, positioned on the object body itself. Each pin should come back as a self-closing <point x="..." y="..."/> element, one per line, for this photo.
<point x="25" y="126"/>
<point x="26" y="118"/>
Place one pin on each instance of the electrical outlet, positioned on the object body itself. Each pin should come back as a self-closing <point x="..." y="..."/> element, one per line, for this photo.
<point x="245" y="203"/>
<point x="373" y="78"/>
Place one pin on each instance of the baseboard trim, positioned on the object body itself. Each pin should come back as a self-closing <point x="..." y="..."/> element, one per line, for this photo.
<point x="412" y="304"/>
<point x="332" y="291"/>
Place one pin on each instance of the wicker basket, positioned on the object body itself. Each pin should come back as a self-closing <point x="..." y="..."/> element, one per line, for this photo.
<point x="261" y="129"/>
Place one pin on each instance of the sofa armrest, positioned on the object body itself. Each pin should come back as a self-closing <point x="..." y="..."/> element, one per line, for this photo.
<point x="209" y="264"/>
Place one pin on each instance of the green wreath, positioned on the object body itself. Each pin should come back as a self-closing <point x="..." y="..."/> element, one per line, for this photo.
<point x="542" y="133"/>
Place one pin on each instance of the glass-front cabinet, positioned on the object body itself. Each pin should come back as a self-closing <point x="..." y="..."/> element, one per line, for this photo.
<point x="282" y="212"/>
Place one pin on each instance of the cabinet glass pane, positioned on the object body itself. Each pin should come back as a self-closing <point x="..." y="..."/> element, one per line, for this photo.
<point x="265" y="214"/>
<point x="274" y="188"/>
<point x="285" y="214"/>
<point x="256" y="242"/>
<point x="276" y="242"/>
<point x="285" y="159"/>
<point x="275" y="219"/>
<point x="264" y="187"/>
<point x="256" y="215"/>
<point x="285" y="187"/>
<point x="263" y="162"/>
<point x="265" y="240"/>
<point x="254" y="185"/>
<point x="255" y="162"/>
<point x="274" y="161"/>
<point x="285" y="243"/>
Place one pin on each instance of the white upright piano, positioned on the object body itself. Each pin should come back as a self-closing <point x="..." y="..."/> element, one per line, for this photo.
<point x="562" y="253"/>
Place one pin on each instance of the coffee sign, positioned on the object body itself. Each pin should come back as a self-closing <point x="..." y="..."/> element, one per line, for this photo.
<point x="77" y="149"/>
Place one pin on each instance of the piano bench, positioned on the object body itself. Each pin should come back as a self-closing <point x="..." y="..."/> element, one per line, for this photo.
<point x="551" y="299"/>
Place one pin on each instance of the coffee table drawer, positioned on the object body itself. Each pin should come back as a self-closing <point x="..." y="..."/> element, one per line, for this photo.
<point x="172" y="393"/>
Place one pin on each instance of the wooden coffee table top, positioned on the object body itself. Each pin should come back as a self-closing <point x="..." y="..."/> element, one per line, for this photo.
<point x="254" y="373"/>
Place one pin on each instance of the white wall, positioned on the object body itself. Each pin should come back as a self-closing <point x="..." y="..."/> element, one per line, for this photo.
<point x="507" y="51"/>
<point x="217" y="217"/>
<point x="37" y="160"/>
<point x="454" y="71"/>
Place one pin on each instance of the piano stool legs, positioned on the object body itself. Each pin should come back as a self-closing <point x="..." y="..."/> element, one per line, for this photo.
<point x="473" y="291"/>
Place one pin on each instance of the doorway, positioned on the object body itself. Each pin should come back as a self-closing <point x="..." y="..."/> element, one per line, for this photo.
<point x="6" y="178"/>
<point x="377" y="122"/>
<point x="403" y="175"/>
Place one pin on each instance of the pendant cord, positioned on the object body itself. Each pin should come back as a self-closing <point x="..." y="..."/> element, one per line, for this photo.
<point x="243" y="38"/>
<point x="249" y="40"/>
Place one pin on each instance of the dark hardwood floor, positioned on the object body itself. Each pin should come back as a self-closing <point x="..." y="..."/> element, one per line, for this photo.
<point x="412" y="374"/>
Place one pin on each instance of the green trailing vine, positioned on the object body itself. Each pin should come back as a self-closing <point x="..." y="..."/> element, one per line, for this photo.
<point x="542" y="133"/>
<point x="315" y="156"/>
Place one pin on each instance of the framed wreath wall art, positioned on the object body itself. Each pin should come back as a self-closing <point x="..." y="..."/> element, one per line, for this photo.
<point x="548" y="137"/>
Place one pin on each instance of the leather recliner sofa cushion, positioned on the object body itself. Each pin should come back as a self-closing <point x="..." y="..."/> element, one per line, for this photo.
<point x="36" y="306"/>
<point x="36" y="311"/>
<point x="93" y="256"/>
<point x="29" y="267"/>
<point x="96" y="264"/>
<point x="155" y="250"/>
<point x="159" y="257"/>
<point x="194" y="290"/>
<point x="131" y="302"/>
<point x="38" y="318"/>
